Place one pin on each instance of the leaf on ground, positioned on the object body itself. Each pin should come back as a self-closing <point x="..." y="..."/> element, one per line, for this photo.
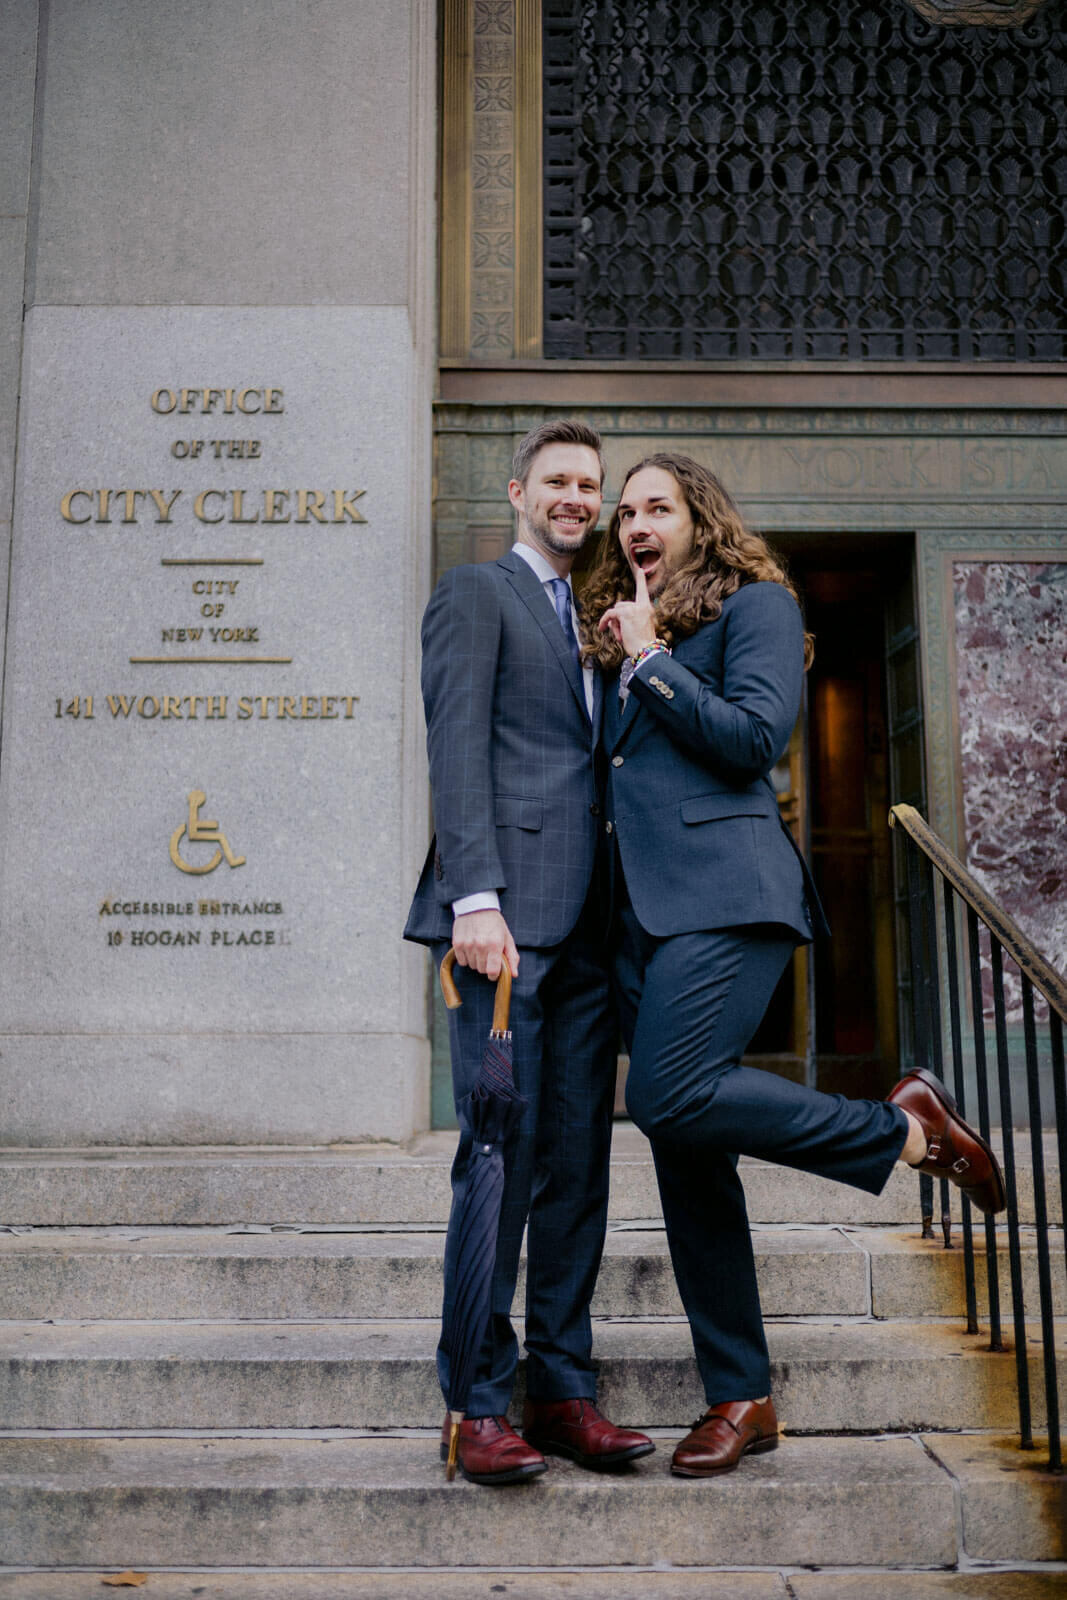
<point x="126" y="1580"/>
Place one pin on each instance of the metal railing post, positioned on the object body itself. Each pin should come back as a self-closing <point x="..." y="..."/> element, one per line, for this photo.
<point x="956" y="1035"/>
<point x="981" y="1073"/>
<point x="1044" y="1271"/>
<point x="1022" y="1370"/>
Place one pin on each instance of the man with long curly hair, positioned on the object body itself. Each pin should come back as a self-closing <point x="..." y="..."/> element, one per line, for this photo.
<point x="701" y="631"/>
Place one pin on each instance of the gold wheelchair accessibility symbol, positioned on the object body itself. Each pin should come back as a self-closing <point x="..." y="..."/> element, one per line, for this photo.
<point x="200" y="831"/>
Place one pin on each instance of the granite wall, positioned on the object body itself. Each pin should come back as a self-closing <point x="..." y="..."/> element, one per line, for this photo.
<point x="217" y="347"/>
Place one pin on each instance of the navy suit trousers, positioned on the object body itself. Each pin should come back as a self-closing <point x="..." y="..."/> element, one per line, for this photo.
<point x="690" y="1003"/>
<point x="556" y="1162"/>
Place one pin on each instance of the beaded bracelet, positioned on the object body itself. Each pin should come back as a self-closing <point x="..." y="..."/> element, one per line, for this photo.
<point x="657" y="647"/>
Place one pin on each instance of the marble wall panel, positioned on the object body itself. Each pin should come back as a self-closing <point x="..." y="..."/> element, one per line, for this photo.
<point x="1011" y="665"/>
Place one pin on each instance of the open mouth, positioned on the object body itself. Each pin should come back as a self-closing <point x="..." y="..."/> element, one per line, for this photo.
<point x="645" y="556"/>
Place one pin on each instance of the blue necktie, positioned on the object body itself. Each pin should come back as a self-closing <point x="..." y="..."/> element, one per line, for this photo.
<point x="561" y="599"/>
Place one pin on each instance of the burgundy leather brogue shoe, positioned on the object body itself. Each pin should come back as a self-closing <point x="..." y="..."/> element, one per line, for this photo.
<point x="491" y="1452"/>
<point x="576" y="1429"/>
<point x="954" y="1150"/>
<point x="724" y="1434"/>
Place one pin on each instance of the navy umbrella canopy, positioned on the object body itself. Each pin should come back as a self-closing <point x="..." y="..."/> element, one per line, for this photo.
<point x="490" y="1112"/>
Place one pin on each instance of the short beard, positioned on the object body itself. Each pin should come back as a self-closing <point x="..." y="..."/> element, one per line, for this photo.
<point x="541" y="529"/>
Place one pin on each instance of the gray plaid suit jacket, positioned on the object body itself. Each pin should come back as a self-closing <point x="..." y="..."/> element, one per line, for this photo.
<point x="511" y="750"/>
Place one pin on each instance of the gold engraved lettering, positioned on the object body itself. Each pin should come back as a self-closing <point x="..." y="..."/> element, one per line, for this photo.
<point x="206" y="400"/>
<point x="345" y="506"/>
<point x="309" y="503"/>
<point x="199" y="504"/>
<point x="131" y="497"/>
<point x="275" y="499"/>
<point x="67" y="503"/>
<point x="163" y="506"/>
<point x="199" y="831"/>
<point x="103" y="503"/>
<point x="237" y="514"/>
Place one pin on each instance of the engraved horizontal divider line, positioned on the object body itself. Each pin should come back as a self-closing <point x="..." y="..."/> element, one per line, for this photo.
<point x="211" y="561"/>
<point x="210" y="661"/>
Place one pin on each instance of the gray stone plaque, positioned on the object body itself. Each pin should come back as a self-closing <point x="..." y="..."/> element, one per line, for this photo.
<point x="205" y="866"/>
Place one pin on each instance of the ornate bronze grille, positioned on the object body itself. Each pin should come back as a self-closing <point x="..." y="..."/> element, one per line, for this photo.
<point x="804" y="179"/>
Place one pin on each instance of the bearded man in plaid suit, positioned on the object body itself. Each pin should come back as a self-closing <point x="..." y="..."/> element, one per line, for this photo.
<point x="512" y="720"/>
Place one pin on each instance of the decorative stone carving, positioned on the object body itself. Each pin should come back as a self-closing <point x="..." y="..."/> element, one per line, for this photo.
<point x="977" y="13"/>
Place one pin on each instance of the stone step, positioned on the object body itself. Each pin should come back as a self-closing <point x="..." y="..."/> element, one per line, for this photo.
<point x="209" y="1186"/>
<point x="169" y="1274"/>
<point x="369" y="1501"/>
<point x="615" y="1583"/>
<point x="828" y="1376"/>
<point x="124" y="1274"/>
<point x="386" y="1184"/>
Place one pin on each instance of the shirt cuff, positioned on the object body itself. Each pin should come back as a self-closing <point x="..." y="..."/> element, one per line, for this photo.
<point x="486" y="900"/>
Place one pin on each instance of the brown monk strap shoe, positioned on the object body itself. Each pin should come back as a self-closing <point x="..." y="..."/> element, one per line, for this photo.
<point x="491" y="1452"/>
<point x="724" y="1434"/>
<point x="575" y="1428"/>
<point x="954" y="1150"/>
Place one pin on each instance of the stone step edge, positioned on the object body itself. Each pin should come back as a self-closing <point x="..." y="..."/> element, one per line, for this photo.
<point x="949" y="1475"/>
<point x="329" y="1184"/>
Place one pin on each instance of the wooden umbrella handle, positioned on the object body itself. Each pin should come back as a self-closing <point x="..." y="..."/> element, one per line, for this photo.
<point x="502" y="1005"/>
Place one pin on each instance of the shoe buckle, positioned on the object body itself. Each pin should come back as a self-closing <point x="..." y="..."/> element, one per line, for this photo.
<point x="961" y="1164"/>
<point x="933" y="1150"/>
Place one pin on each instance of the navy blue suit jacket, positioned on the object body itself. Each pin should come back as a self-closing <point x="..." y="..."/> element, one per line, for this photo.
<point x="511" y="750"/>
<point x="695" y="817"/>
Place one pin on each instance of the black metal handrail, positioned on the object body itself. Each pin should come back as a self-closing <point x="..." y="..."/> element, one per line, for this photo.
<point x="935" y="952"/>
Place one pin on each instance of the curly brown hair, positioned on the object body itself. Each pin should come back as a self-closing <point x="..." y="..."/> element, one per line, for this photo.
<point x="724" y="556"/>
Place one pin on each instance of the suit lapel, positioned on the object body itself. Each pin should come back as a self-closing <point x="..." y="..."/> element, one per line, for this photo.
<point x="621" y="717"/>
<point x="598" y="702"/>
<point x="530" y="590"/>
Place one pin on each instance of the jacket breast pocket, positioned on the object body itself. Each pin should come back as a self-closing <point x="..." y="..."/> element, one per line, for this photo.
<point x="716" y="807"/>
<point x="517" y="811"/>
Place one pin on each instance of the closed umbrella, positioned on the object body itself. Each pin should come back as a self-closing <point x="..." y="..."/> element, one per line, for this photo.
<point x="490" y="1111"/>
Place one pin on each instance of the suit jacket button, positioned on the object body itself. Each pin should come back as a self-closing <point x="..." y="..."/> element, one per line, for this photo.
<point x="607" y="827"/>
<point x="616" y="761"/>
<point x="594" y="810"/>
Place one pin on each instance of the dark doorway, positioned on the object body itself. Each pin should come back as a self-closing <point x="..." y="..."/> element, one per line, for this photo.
<point x="833" y="1020"/>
